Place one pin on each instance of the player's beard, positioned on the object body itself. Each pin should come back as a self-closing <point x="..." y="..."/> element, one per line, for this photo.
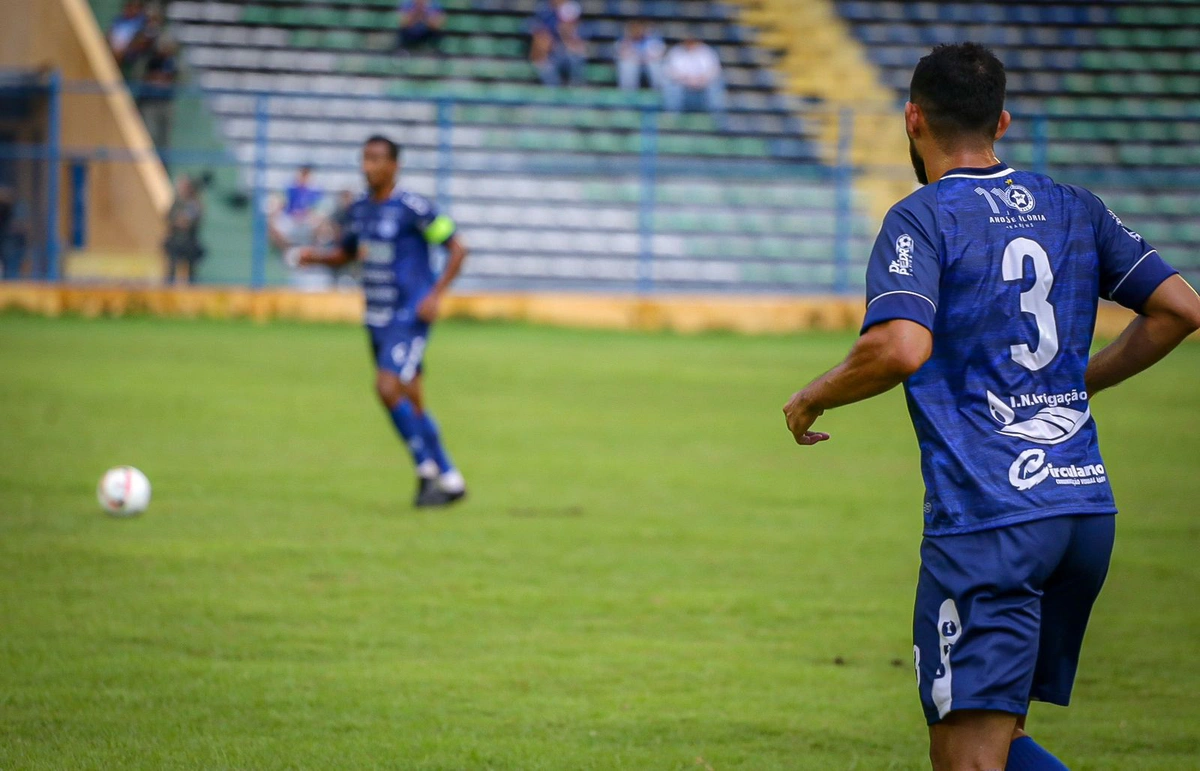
<point x="918" y="162"/>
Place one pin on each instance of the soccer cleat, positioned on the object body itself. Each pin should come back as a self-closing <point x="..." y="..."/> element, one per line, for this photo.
<point x="430" y="494"/>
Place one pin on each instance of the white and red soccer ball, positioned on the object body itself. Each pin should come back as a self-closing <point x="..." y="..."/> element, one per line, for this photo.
<point x="124" y="491"/>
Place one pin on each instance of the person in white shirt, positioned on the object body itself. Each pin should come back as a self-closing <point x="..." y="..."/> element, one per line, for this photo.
<point x="693" y="78"/>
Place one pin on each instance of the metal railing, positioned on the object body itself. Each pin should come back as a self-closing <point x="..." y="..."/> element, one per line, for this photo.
<point x="645" y="154"/>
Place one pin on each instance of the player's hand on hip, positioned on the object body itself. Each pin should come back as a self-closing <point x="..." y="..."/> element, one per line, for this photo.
<point x="800" y="418"/>
<point x="428" y="308"/>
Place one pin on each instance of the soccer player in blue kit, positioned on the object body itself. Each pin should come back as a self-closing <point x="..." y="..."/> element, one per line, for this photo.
<point x="982" y="292"/>
<point x="392" y="231"/>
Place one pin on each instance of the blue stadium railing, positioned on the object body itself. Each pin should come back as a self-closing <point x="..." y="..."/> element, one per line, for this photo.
<point x="649" y="166"/>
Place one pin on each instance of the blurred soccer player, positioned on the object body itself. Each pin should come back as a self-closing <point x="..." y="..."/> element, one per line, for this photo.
<point x="982" y="292"/>
<point x="391" y="231"/>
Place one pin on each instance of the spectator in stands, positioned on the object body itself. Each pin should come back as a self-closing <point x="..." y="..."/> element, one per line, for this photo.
<point x="693" y="78"/>
<point x="557" y="48"/>
<point x="183" y="245"/>
<point x="639" y="56"/>
<point x="421" y="23"/>
<point x="302" y="197"/>
<point x="125" y="34"/>
<point x="156" y="97"/>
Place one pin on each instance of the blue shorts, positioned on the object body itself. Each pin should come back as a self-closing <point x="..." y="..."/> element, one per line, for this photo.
<point x="1000" y="614"/>
<point x="399" y="348"/>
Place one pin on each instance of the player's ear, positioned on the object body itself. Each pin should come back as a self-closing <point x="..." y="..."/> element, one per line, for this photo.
<point x="912" y="119"/>
<point x="1003" y="124"/>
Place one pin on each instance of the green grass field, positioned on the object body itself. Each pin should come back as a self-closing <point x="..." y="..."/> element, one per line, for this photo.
<point x="648" y="574"/>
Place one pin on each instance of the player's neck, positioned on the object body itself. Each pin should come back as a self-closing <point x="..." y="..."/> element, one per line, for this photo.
<point x="975" y="158"/>
<point x="381" y="194"/>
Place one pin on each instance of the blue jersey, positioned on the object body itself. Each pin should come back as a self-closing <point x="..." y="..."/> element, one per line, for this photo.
<point x="1005" y="268"/>
<point x="392" y="239"/>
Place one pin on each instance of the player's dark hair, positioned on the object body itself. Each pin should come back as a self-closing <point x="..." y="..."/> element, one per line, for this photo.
<point x="960" y="89"/>
<point x="393" y="148"/>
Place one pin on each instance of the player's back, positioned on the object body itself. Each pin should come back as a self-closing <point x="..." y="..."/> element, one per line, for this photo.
<point x="1013" y="265"/>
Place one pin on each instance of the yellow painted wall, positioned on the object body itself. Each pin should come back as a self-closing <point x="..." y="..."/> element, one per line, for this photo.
<point x="128" y="200"/>
<point x="747" y="315"/>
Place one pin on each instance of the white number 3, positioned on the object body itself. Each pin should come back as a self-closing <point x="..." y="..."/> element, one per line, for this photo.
<point x="1035" y="301"/>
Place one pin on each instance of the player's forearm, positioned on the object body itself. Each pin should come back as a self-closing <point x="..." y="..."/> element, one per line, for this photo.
<point x="1170" y="314"/>
<point x="1142" y="345"/>
<point x="332" y="258"/>
<point x="454" y="264"/>
<point x="860" y="377"/>
<point x="883" y="358"/>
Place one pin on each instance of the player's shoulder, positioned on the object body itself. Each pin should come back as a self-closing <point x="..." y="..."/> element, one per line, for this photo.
<point x="918" y="208"/>
<point x="414" y="202"/>
<point x="359" y="205"/>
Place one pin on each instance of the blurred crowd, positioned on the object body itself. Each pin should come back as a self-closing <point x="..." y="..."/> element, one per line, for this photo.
<point x="688" y="74"/>
<point x="147" y="55"/>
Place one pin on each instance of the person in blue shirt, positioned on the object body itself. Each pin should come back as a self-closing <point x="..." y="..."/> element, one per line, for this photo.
<point x="124" y="35"/>
<point x="982" y="292"/>
<point x="556" y="45"/>
<point x="391" y="232"/>
<point x="301" y="197"/>
<point x="421" y="23"/>
<point x="639" y="54"/>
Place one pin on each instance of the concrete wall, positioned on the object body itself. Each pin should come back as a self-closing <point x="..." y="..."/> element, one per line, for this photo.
<point x="127" y="199"/>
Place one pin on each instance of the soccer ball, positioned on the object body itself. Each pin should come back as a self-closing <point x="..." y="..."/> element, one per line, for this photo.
<point x="124" y="491"/>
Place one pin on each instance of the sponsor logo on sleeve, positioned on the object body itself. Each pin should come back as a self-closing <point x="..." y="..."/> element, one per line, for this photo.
<point x="1056" y="419"/>
<point x="1135" y="236"/>
<point x="903" y="264"/>
<point x="1031" y="468"/>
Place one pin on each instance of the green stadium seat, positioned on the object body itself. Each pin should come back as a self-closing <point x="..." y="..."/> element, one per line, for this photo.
<point x="258" y="14"/>
<point x="1183" y="37"/>
<point x="291" y="17"/>
<point x="307" y="38"/>
<point x="326" y="17"/>
<point x="468" y="24"/>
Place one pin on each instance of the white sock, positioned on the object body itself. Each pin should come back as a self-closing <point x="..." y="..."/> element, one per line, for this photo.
<point x="428" y="469"/>
<point x="452" y="481"/>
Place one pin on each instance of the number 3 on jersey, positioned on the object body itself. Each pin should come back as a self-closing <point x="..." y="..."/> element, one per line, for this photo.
<point x="1034" y="301"/>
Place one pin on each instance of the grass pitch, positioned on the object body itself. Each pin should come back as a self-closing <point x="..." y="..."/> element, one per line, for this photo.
<point x="648" y="573"/>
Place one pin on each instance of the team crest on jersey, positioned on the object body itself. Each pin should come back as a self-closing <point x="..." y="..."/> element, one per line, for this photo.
<point x="388" y="227"/>
<point x="903" y="263"/>
<point x="1017" y="197"/>
<point x="1054" y="422"/>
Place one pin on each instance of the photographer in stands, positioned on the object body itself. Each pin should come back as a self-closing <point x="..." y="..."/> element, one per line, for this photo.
<point x="183" y="245"/>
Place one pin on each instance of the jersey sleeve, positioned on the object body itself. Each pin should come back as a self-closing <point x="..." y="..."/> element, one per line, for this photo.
<point x="436" y="228"/>
<point x="904" y="271"/>
<point x="1130" y="268"/>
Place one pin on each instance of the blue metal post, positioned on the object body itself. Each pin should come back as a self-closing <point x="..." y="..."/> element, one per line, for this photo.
<point x="445" y="119"/>
<point x="843" y="175"/>
<point x="1041" y="143"/>
<point x="649" y="173"/>
<point x="52" y="171"/>
<point x="258" y="249"/>
<point x="79" y="172"/>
